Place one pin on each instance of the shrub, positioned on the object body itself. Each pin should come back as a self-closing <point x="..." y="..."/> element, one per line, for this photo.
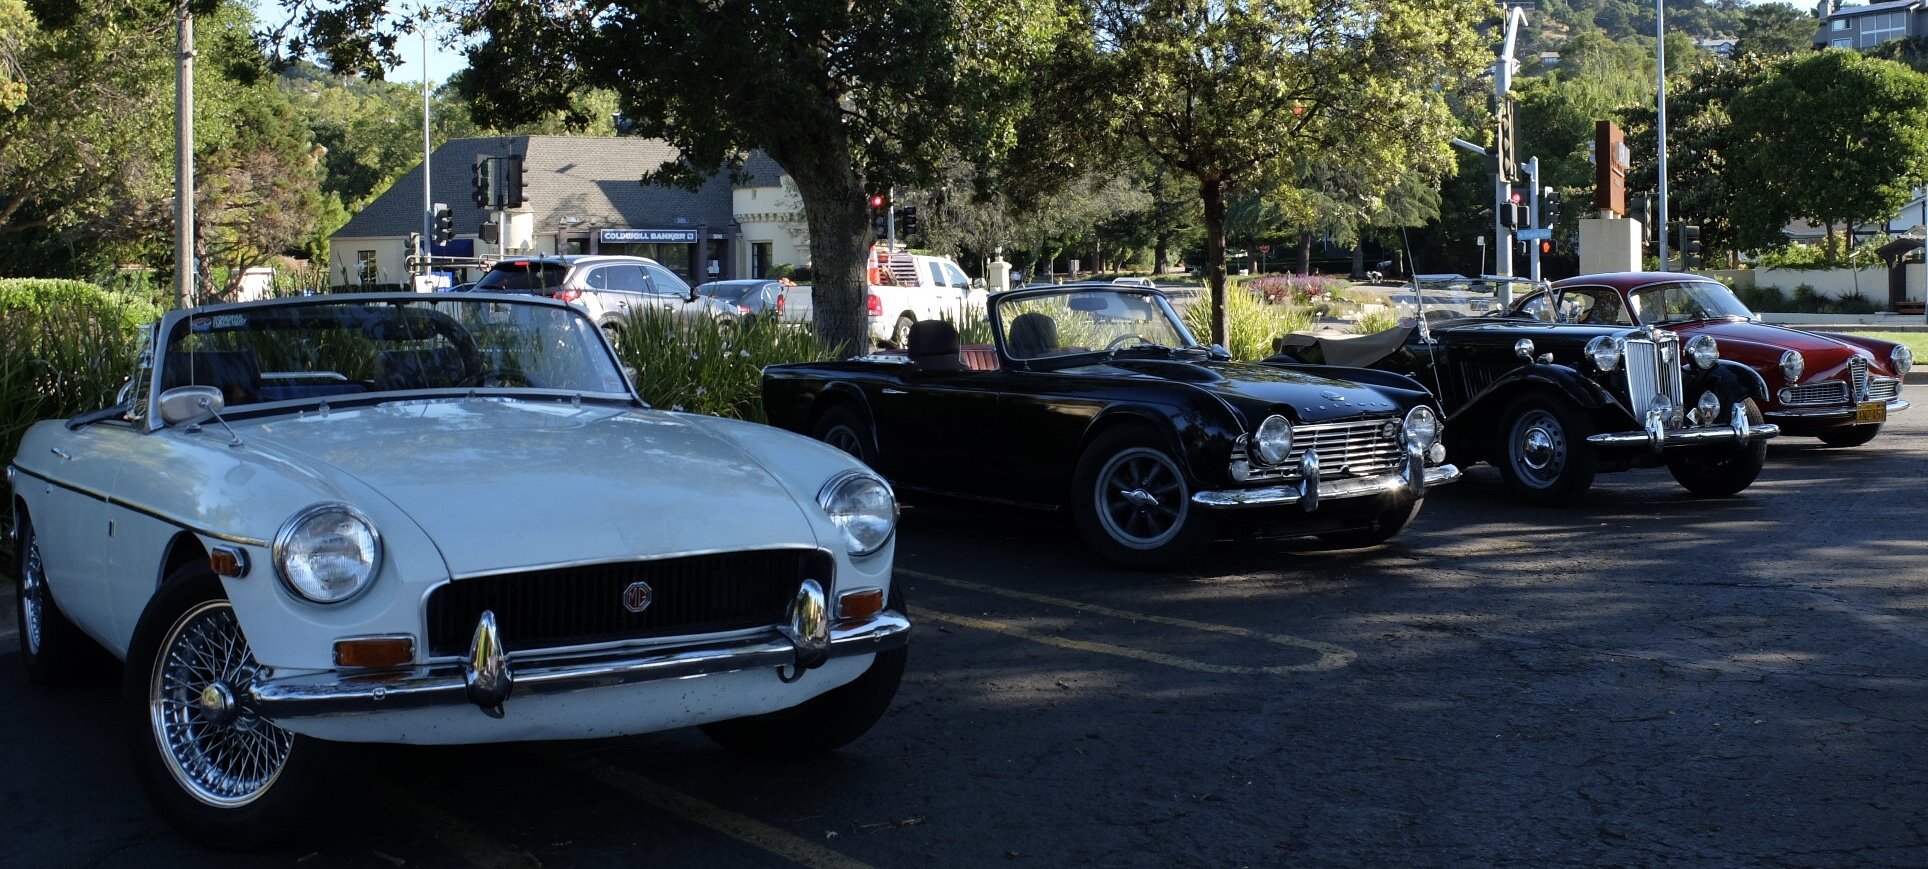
<point x="711" y="366"/>
<point x="1375" y="321"/>
<point x="1296" y="289"/>
<point x="1251" y="323"/>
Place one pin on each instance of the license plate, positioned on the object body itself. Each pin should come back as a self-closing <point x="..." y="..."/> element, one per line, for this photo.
<point x="1871" y="411"/>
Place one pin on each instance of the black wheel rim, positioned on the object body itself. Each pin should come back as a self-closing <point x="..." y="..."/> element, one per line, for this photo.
<point x="216" y="747"/>
<point x="1539" y="448"/>
<point x="845" y="438"/>
<point x="33" y="599"/>
<point x="1141" y="498"/>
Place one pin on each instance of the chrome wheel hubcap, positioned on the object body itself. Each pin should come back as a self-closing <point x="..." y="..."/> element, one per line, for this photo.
<point x="217" y="748"/>
<point x="1540" y="447"/>
<point x="1141" y="498"/>
<point x="33" y="598"/>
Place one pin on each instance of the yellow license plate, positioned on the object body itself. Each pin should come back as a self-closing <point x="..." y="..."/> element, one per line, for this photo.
<point x="1871" y="411"/>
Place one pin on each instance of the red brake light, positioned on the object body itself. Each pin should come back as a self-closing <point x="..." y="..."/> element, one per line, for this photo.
<point x="780" y="298"/>
<point x="743" y="309"/>
<point x="874" y="305"/>
<point x="568" y="295"/>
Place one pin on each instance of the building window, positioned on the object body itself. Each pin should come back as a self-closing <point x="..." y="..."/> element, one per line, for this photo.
<point x="1838" y="24"/>
<point x="367" y="269"/>
<point x="760" y="259"/>
<point x="1884" y="27"/>
<point x="1841" y="43"/>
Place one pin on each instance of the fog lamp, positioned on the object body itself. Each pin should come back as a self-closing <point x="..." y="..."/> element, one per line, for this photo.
<point x="1708" y="407"/>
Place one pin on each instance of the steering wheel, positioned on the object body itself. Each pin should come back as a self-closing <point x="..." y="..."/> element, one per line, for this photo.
<point x="1123" y="338"/>
<point x="501" y="376"/>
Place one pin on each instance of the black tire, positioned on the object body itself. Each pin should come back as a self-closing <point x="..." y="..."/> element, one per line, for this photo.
<point x="1542" y="453"/>
<point x="53" y="648"/>
<point x="266" y="780"/>
<point x="1851" y="436"/>
<point x="1718" y="475"/>
<point x="821" y="724"/>
<point x="1132" y="502"/>
<point x="846" y="428"/>
<point x="1384" y="526"/>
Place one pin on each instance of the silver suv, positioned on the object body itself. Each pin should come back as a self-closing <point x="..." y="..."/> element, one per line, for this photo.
<point x="609" y="288"/>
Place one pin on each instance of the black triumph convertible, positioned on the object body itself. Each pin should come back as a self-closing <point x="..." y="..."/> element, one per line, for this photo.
<point x="1095" y="398"/>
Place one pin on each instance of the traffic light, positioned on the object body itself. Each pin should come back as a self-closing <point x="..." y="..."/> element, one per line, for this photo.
<point x="879" y="216"/>
<point x="907" y="221"/>
<point x="1689" y="246"/>
<point x="1550" y="208"/>
<point x="484" y="182"/>
<point x="1513" y="212"/>
<point x="444" y="224"/>
<point x="1641" y="208"/>
<point x="512" y="181"/>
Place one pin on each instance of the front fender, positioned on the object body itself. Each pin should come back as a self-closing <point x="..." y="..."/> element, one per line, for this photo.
<point x="1472" y="427"/>
<point x="1729" y="380"/>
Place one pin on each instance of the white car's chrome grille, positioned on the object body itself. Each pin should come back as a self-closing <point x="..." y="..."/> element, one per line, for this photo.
<point x="1825" y="392"/>
<point x="1884" y="388"/>
<point x="1346" y="449"/>
<point x="1653" y="369"/>
<point x="1858" y="375"/>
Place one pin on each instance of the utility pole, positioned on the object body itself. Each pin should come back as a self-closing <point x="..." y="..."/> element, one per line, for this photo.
<point x="1533" y="217"/>
<point x="184" y="261"/>
<point x="890" y="221"/>
<point x="1660" y="39"/>
<point x="1503" y="143"/>
<point x="428" y="193"/>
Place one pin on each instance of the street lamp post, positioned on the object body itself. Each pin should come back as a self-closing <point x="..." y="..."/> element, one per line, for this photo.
<point x="184" y="262"/>
<point x="1660" y="40"/>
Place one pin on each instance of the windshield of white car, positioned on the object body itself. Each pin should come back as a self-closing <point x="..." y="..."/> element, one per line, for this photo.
<point x="344" y="348"/>
<point x="1681" y="301"/>
<point x="1078" y="321"/>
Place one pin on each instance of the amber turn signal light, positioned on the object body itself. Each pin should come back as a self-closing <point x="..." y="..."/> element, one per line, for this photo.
<point x="861" y="604"/>
<point x="375" y="652"/>
<point x="228" y="561"/>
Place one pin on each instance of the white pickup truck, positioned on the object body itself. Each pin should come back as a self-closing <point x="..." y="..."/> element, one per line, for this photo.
<point x="907" y="287"/>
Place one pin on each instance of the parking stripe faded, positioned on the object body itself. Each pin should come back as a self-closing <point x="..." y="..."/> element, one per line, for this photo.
<point x="468" y="842"/>
<point x="743" y="829"/>
<point x="1330" y="657"/>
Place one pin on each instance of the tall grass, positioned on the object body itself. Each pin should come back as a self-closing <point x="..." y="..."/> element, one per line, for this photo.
<point x="711" y="366"/>
<point x="1252" y="324"/>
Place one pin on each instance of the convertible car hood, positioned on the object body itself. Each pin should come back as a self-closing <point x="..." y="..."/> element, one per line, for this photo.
<point x="1758" y="344"/>
<point x="499" y="484"/>
<point x="1315" y="398"/>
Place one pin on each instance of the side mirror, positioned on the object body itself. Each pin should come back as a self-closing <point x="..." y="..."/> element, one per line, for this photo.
<point x="187" y="405"/>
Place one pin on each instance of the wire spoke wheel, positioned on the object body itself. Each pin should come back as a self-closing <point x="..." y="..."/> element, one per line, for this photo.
<point x="217" y="748"/>
<point x="34" y="598"/>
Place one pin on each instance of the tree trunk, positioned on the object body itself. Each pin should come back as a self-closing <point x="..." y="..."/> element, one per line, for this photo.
<point x="1305" y="254"/>
<point x="1359" y="258"/>
<point x="837" y="210"/>
<point x="1213" y="194"/>
<point x="1161" y="255"/>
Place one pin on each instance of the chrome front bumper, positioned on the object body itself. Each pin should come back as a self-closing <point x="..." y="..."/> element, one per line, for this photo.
<point x="1844" y="412"/>
<point x="489" y="677"/>
<point x="1657" y="437"/>
<point x="1310" y="490"/>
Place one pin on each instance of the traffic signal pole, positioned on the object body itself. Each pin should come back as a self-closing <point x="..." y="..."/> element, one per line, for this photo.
<point x="1533" y="217"/>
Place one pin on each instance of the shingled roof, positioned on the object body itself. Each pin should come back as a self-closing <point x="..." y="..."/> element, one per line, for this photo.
<point x="597" y="181"/>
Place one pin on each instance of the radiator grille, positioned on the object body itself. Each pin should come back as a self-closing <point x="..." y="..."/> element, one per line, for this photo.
<point x="1884" y="389"/>
<point x="1653" y="369"/>
<point x="1858" y="375"/>
<point x="570" y="606"/>
<point x="1825" y="392"/>
<point x="1346" y="449"/>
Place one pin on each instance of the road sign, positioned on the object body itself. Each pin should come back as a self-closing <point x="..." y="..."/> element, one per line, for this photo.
<point x="1534" y="234"/>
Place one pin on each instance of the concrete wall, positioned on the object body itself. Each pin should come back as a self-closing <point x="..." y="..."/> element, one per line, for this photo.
<point x="773" y="216"/>
<point x="1872" y="282"/>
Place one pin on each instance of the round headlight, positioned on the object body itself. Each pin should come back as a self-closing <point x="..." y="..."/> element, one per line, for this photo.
<point x="1703" y="350"/>
<point x="861" y="506"/>
<point x="1421" y="428"/>
<point x="1901" y="358"/>
<point x="1709" y="408"/>
<point x="1605" y="352"/>
<point x="1273" y="440"/>
<point x="1792" y="365"/>
<point x="327" y="553"/>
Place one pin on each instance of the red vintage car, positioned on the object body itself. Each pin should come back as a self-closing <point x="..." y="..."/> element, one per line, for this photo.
<point x="1836" y="387"/>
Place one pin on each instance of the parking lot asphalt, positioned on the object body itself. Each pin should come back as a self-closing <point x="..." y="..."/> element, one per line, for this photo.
<point x="1648" y="678"/>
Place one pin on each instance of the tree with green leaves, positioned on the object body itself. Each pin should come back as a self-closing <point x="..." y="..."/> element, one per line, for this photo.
<point x="1702" y="140"/>
<point x="1833" y="137"/>
<point x="1232" y="94"/>
<point x="850" y="97"/>
<point x="1772" y="30"/>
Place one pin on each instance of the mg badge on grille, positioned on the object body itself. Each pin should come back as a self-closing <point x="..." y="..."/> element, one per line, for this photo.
<point x="637" y="596"/>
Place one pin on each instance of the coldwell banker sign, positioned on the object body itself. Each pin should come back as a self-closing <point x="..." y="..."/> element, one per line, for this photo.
<point x="649" y="236"/>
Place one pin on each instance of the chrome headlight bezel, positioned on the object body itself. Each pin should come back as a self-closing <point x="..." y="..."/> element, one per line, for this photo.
<point x="1901" y="359"/>
<point x="1792" y="366"/>
<point x="1272" y="440"/>
<point x="1704" y="350"/>
<point x="863" y="508"/>
<point x="1605" y="352"/>
<point x="1420" y="428"/>
<point x="296" y="545"/>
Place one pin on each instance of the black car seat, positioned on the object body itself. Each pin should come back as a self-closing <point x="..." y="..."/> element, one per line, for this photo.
<point x="433" y="368"/>
<point x="237" y="373"/>
<point x="933" y="346"/>
<point x="1033" y="335"/>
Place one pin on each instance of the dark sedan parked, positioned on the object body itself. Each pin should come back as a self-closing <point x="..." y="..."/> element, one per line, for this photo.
<point x="752" y="297"/>
<point x="1096" y="399"/>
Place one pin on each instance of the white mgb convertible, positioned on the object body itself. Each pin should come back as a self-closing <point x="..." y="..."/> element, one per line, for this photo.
<point x="437" y="519"/>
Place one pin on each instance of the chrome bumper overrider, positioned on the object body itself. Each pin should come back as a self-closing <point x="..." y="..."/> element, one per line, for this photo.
<point x="1823" y="413"/>
<point x="489" y="677"/>
<point x="1657" y="437"/>
<point x="1310" y="490"/>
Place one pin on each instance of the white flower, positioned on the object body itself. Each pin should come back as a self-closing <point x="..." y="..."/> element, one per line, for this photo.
<point x="676" y="407"/>
<point x="702" y="391"/>
<point x="743" y="353"/>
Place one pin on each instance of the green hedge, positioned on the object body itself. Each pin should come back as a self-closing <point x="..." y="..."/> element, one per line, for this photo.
<point x="709" y="366"/>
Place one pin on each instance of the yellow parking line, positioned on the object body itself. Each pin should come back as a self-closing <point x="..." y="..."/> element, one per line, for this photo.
<point x="743" y="829"/>
<point x="467" y="841"/>
<point x="1330" y="657"/>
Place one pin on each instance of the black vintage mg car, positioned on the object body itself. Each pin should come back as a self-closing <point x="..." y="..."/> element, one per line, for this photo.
<point x="1094" y="398"/>
<point x="1553" y="404"/>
